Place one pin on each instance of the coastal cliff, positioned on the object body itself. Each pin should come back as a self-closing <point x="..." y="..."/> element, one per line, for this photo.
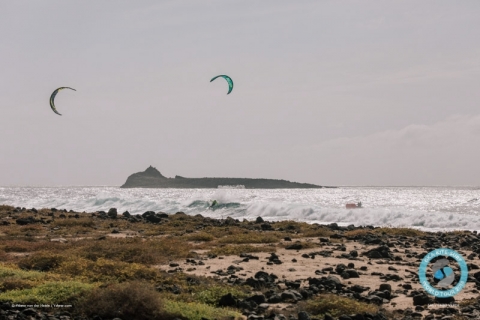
<point x="152" y="178"/>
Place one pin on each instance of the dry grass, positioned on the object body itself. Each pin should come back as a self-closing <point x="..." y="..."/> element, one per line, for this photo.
<point x="407" y="232"/>
<point x="132" y="300"/>
<point x="103" y="270"/>
<point x="317" y="232"/>
<point x="219" y="232"/>
<point x="250" y="237"/>
<point x="13" y="283"/>
<point x="5" y="257"/>
<point x="150" y="251"/>
<point x="31" y="246"/>
<point x="336" y="306"/>
<point x="43" y="261"/>
<point x="469" y="302"/>
<point x="229" y="250"/>
<point x="200" y="236"/>
<point x="72" y="222"/>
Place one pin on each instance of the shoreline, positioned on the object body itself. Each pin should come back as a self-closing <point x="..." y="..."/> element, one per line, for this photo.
<point x="258" y="268"/>
<point x="311" y="222"/>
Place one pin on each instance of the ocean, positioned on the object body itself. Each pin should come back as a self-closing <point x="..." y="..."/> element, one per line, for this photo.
<point x="426" y="208"/>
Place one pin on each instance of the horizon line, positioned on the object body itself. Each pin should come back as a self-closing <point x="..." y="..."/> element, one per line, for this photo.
<point x="323" y="186"/>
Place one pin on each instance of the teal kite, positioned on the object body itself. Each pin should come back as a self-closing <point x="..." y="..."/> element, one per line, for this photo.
<point x="229" y="80"/>
<point x="52" y="98"/>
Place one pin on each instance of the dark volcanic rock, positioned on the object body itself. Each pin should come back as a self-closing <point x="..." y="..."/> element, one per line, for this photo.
<point x="257" y="298"/>
<point x="266" y="227"/>
<point x="385" y="286"/>
<point x="302" y="315"/>
<point x="261" y="279"/>
<point x="291" y="295"/>
<point x="112" y="213"/>
<point x="379" y="252"/>
<point x="444" y="300"/>
<point x="421" y="300"/>
<point x="330" y="282"/>
<point x="358" y="288"/>
<point x="295" y="246"/>
<point x="25" y="221"/>
<point x="352" y="273"/>
<point x="227" y="300"/>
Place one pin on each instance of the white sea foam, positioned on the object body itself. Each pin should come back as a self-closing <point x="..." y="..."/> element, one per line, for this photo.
<point x="430" y="208"/>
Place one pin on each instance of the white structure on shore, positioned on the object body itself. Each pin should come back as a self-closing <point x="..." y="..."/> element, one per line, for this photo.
<point x="240" y="186"/>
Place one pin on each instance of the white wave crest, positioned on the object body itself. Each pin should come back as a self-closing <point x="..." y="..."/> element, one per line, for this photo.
<point x="440" y="211"/>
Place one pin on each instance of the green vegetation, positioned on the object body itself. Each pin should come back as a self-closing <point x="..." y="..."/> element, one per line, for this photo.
<point x="228" y="250"/>
<point x="199" y="311"/>
<point x="42" y="261"/>
<point x="60" y="292"/>
<point x="337" y="305"/>
<point x="9" y="273"/>
<point x="103" y="270"/>
<point x="200" y="236"/>
<point x="212" y="294"/>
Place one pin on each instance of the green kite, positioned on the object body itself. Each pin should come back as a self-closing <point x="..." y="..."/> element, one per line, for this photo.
<point x="52" y="98"/>
<point x="229" y="81"/>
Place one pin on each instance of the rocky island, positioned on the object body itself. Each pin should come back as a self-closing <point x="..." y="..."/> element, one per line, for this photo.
<point x="152" y="178"/>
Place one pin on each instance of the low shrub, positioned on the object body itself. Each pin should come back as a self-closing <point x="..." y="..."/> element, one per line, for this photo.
<point x="41" y="261"/>
<point x="32" y="277"/>
<point x="213" y="294"/>
<point x="337" y="305"/>
<point x="104" y="270"/>
<point x="200" y="236"/>
<point x="135" y="250"/>
<point x="199" y="311"/>
<point x="130" y="300"/>
<point x="12" y="283"/>
<point x="26" y="246"/>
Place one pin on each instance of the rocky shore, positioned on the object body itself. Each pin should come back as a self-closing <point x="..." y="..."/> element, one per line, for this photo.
<point x="59" y="264"/>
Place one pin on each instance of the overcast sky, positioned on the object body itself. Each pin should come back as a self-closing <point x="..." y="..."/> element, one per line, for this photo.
<point x="326" y="92"/>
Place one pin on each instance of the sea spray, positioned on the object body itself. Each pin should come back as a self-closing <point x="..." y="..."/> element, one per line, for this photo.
<point x="429" y="208"/>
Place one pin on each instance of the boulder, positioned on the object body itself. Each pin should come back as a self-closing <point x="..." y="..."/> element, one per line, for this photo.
<point x="112" y="213"/>
<point x="227" y="300"/>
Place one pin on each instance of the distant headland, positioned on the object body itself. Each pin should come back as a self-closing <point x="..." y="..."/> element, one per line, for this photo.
<point x="152" y="178"/>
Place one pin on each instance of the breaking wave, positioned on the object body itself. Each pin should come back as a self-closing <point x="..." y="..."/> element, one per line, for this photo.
<point x="438" y="212"/>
